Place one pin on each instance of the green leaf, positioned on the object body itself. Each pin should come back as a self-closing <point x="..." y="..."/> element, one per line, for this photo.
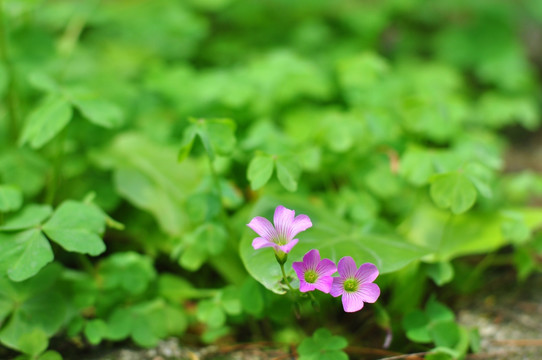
<point x="23" y="254"/>
<point x="438" y="312"/>
<point x="29" y="216"/>
<point x="444" y="333"/>
<point x="76" y="227"/>
<point x="524" y="262"/>
<point x="417" y="166"/>
<point x="252" y="297"/>
<point x="260" y="170"/>
<point x="11" y="198"/>
<point x="149" y="323"/>
<point x="441" y="272"/>
<point x="187" y="142"/>
<point x="515" y="227"/>
<point x="119" y="324"/>
<point x="211" y="314"/>
<point x="440" y="354"/>
<point x="230" y="300"/>
<point x="481" y="176"/>
<point x="475" y="340"/>
<point x="197" y="246"/>
<point x="175" y="320"/>
<point x="95" y="331"/>
<point x="211" y="335"/>
<point x="203" y="207"/>
<point x="469" y="233"/>
<point x="33" y="343"/>
<point x="332" y="237"/>
<point x="4" y="79"/>
<point x="288" y="172"/>
<point x="322" y="345"/>
<point x="24" y="167"/>
<point x="415" y="325"/>
<point x="221" y="133"/>
<point x="454" y="191"/>
<point x="47" y="310"/>
<point x="217" y="136"/>
<point x="46" y="121"/>
<point x="129" y="271"/>
<point x="149" y="177"/>
<point x="20" y="292"/>
<point x="193" y="257"/>
<point x="50" y="355"/>
<point x="43" y="82"/>
<point x="100" y="112"/>
<point x="176" y="289"/>
<point x="40" y="314"/>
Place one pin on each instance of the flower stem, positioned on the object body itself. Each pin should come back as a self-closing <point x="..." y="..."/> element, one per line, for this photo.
<point x="285" y="277"/>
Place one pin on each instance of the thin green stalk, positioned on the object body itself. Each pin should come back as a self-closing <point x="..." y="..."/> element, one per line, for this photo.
<point x="11" y="96"/>
<point x="285" y="277"/>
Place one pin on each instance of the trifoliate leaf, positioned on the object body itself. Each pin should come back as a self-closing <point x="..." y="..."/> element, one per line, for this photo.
<point x="76" y="227"/>
<point x="453" y="190"/>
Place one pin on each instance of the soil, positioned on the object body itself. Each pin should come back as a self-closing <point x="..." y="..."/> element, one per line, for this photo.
<point x="508" y="316"/>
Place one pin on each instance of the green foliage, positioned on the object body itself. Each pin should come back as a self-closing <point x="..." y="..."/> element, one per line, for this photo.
<point x="321" y="346"/>
<point x="436" y="325"/>
<point x="11" y="198"/>
<point x="454" y="191"/>
<point x="177" y="122"/>
<point x="74" y="225"/>
<point x="46" y="121"/>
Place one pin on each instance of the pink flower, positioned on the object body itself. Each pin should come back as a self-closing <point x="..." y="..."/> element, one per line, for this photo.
<point x="355" y="284"/>
<point x="281" y="236"/>
<point x="314" y="273"/>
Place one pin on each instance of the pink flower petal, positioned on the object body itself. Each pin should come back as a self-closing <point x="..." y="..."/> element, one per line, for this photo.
<point x="352" y="302"/>
<point x="311" y="259"/>
<point x="262" y="227"/>
<point x="369" y="292"/>
<point x="324" y="284"/>
<point x="326" y="267"/>
<point x="260" y="242"/>
<point x="367" y="273"/>
<point x="305" y="286"/>
<point x="347" y="267"/>
<point x="337" y="287"/>
<point x="299" y="224"/>
<point x="286" y="248"/>
<point x="283" y="220"/>
<point x="299" y="269"/>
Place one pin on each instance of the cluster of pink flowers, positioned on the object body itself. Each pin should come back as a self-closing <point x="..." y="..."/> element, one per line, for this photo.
<point x="355" y="284"/>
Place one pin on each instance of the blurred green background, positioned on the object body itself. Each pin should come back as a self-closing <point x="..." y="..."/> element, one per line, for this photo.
<point x="387" y="122"/>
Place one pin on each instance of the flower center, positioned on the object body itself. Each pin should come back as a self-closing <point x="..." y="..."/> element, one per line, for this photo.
<point x="351" y="285"/>
<point x="281" y="240"/>
<point x="311" y="276"/>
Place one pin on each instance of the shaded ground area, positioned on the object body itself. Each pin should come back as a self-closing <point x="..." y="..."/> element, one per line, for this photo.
<point x="508" y="316"/>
